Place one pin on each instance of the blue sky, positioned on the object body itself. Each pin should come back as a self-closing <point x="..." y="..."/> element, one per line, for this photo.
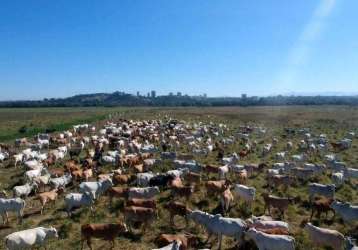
<point x="222" y="48"/>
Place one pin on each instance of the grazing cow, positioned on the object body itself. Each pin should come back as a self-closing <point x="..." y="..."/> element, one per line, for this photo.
<point x="192" y="177"/>
<point x="74" y="200"/>
<point x="160" y="180"/>
<point x="302" y="173"/>
<point x="216" y="224"/>
<point x="266" y="241"/>
<point x="96" y="187"/>
<point x="150" y="203"/>
<point x="177" y="208"/>
<point x="348" y="212"/>
<point x="143" y="193"/>
<point x="29" y="238"/>
<point x="278" y="180"/>
<point x="322" y="205"/>
<point x="24" y="190"/>
<point x="223" y="171"/>
<point x="18" y="158"/>
<point x="260" y="224"/>
<point x="321" y="189"/>
<point x="46" y="197"/>
<point x="226" y="199"/>
<point x="144" y="178"/>
<point x="325" y="237"/>
<point x="108" y="232"/>
<point x="212" y="169"/>
<point x="277" y="202"/>
<point x="16" y="204"/>
<point x="244" y="192"/>
<point x="139" y="214"/>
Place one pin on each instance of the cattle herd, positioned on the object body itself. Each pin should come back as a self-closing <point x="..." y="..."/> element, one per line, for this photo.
<point x="190" y="173"/>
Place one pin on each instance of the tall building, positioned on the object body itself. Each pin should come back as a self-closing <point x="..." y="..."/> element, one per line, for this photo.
<point x="138" y="94"/>
<point x="153" y="94"/>
<point x="170" y="93"/>
<point x="178" y="93"/>
<point x="243" y="96"/>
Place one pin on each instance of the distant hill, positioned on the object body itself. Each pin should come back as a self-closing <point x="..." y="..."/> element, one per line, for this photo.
<point x="125" y="99"/>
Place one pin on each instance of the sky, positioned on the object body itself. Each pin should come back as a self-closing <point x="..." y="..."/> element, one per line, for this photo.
<point x="221" y="48"/>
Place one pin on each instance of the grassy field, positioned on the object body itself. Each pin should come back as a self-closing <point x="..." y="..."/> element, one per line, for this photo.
<point x="335" y="121"/>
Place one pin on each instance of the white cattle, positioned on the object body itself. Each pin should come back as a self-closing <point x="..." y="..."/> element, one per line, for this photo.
<point x="351" y="173"/>
<point x="338" y="179"/>
<point x="4" y="156"/>
<point x="233" y="159"/>
<point x="16" y="205"/>
<point x="216" y="224"/>
<point x="223" y="171"/>
<point x="108" y="159"/>
<point x="321" y="189"/>
<point x="348" y="212"/>
<point x="271" y="242"/>
<point x="316" y="168"/>
<point x="18" y="158"/>
<point x="267" y="224"/>
<point x="60" y="182"/>
<point x="29" y="238"/>
<point x="266" y="149"/>
<point x="75" y="200"/>
<point x="325" y="237"/>
<point x="97" y="188"/>
<point x="280" y="156"/>
<point x="244" y="192"/>
<point x="31" y="174"/>
<point x="33" y="164"/>
<point x="142" y="193"/>
<point x="24" y="190"/>
<point x="338" y="166"/>
<point x="178" y="172"/>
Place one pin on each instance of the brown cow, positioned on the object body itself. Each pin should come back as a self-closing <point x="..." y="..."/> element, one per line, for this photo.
<point x="192" y="177"/>
<point x="225" y="200"/>
<point x="107" y="232"/>
<point x="322" y="205"/>
<point x="212" y="169"/>
<point x="216" y="187"/>
<point x="183" y="191"/>
<point x="150" y="203"/>
<point x="46" y="197"/>
<point x="177" y="208"/>
<point x="118" y="192"/>
<point x="139" y="214"/>
<point x="278" y="180"/>
<point x="122" y="179"/>
<point x="277" y="202"/>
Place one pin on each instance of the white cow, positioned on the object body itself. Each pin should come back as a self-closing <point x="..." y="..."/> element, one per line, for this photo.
<point x="24" y="190"/>
<point x="97" y="188"/>
<point x="321" y="189"/>
<point x="267" y="224"/>
<point x="29" y="238"/>
<point x="74" y="200"/>
<point x="325" y="237"/>
<point x="60" y="182"/>
<point x="16" y="205"/>
<point x="348" y="212"/>
<point x="244" y="192"/>
<point x="144" y="178"/>
<point x="351" y="173"/>
<point x="143" y="193"/>
<point x="271" y="242"/>
<point x="18" y="158"/>
<point x="338" y="179"/>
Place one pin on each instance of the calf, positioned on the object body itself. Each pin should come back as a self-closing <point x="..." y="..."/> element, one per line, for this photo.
<point x="46" y="197"/>
<point x="225" y="200"/>
<point x="325" y="237"/>
<point x="216" y="187"/>
<point x="107" y="232"/>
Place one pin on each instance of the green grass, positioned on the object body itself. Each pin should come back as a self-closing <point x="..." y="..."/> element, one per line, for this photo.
<point x="332" y="120"/>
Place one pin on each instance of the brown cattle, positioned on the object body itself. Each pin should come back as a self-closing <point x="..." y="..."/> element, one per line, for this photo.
<point x="107" y="232"/>
<point x="322" y="205"/>
<point x="57" y="172"/>
<point x="212" y="169"/>
<point x="192" y="177"/>
<point x="122" y="179"/>
<point x="118" y="192"/>
<point x="177" y="208"/>
<point x="46" y="197"/>
<point x="87" y="173"/>
<point x="176" y="182"/>
<point x="183" y="191"/>
<point x="277" y="202"/>
<point x="278" y="180"/>
<point x="187" y="240"/>
<point x="226" y="199"/>
<point x="139" y="214"/>
<point x="216" y="187"/>
<point x="150" y="203"/>
<point x="77" y="174"/>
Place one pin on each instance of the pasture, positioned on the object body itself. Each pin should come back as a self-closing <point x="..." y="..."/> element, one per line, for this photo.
<point x="334" y="121"/>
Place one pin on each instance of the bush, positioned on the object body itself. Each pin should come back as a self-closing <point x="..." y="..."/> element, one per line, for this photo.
<point x="23" y="129"/>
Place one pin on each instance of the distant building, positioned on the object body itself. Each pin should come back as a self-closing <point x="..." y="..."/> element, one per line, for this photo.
<point x="138" y="94"/>
<point x="243" y="96"/>
<point x="205" y="95"/>
<point x="170" y="93"/>
<point x="148" y="94"/>
<point x="153" y="94"/>
<point x="178" y="93"/>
